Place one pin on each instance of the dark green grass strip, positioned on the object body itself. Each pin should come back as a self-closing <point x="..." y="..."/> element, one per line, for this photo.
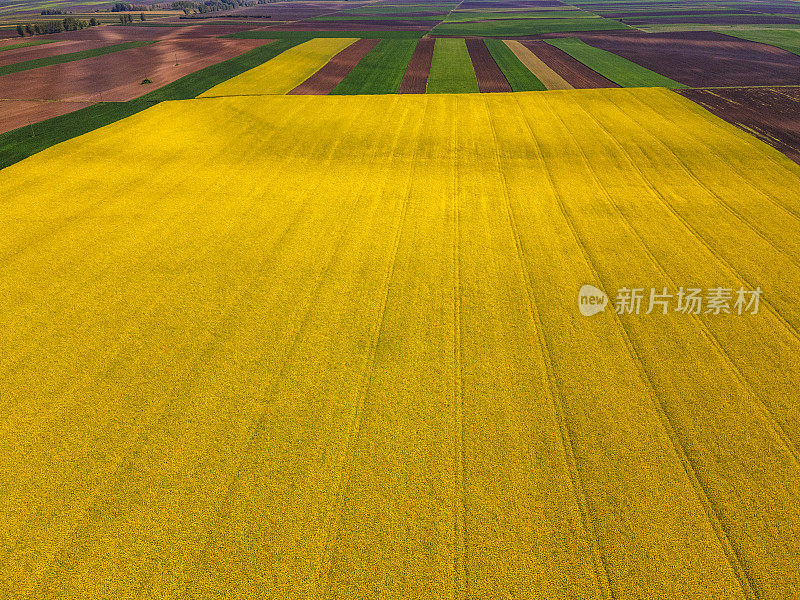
<point x="25" y="44"/>
<point x="62" y="58"/>
<point x="619" y="70"/>
<point x="519" y="77"/>
<point x="371" y="35"/>
<point x="21" y="143"/>
<point x="785" y="39"/>
<point x="380" y="71"/>
<point x="451" y="68"/>
<point x="458" y="16"/>
<point x="380" y="17"/>
<point x="520" y="27"/>
<point x="399" y="9"/>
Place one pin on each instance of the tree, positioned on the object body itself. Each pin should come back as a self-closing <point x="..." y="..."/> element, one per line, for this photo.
<point x="141" y="16"/>
<point x="20" y="31"/>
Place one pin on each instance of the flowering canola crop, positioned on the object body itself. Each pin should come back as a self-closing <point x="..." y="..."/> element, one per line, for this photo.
<point x="338" y="352"/>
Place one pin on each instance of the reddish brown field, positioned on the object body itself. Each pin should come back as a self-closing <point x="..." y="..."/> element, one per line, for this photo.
<point x="574" y="72"/>
<point x="532" y="4"/>
<point x="9" y="57"/>
<point x="702" y="58"/>
<point x="360" y="25"/>
<point x="117" y="34"/>
<point x="328" y="77"/>
<point x="771" y="114"/>
<point x="291" y="11"/>
<point x="415" y="80"/>
<point x="118" y="76"/>
<point x="19" y="113"/>
<point x="490" y="77"/>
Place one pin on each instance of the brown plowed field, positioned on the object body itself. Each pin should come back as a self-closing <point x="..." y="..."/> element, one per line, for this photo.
<point x="292" y="11"/>
<point x="771" y="114"/>
<point x="18" y="113"/>
<point x="365" y="25"/>
<point x="328" y="77"/>
<point x="574" y="72"/>
<point x="714" y="20"/>
<point x="9" y="57"/>
<point x="531" y="4"/>
<point x="116" y="34"/>
<point x="702" y="58"/>
<point x="415" y="80"/>
<point x="118" y="76"/>
<point x="490" y="77"/>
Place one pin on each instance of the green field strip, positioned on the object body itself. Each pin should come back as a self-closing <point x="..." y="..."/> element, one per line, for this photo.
<point x="451" y="68"/>
<point x="459" y="16"/>
<point x="18" y="144"/>
<point x="21" y="143"/>
<point x="363" y="17"/>
<point x="619" y="70"/>
<point x="786" y="39"/>
<point x="25" y="44"/>
<point x="520" y="27"/>
<point x="400" y="9"/>
<point x="69" y="57"/>
<point x="380" y="71"/>
<point x="517" y="74"/>
<point x="272" y="35"/>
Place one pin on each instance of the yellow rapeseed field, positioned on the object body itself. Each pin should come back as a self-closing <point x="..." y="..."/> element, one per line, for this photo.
<point x="330" y="347"/>
<point x="284" y="72"/>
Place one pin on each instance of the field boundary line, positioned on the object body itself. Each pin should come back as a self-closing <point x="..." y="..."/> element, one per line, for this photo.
<point x="711" y="512"/>
<point x="776" y="425"/>
<point x="541" y="70"/>
<point x="599" y="563"/>
<point x="460" y="567"/>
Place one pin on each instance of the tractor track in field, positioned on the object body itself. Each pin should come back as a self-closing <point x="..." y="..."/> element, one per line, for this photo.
<point x="656" y="401"/>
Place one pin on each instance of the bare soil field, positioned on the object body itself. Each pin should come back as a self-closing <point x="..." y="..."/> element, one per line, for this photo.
<point x="360" y="25"/>
<point x="574" y="72"/>
<point x="771" y="114"/>
<point x="490" y="77"/>
<point x="328" y="77"/>
<point x="738" y="19"/>
<point x="119" y="76"/>
<point x="292" y="11"/>
<point x="115" y="34"/>
<point x="702" y="58"/>
<point x="9" y="57"/>
<point x="18" y="113"/>
<point x="415" y="79"/>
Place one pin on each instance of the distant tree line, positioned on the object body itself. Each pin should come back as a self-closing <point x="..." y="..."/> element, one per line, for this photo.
<point x="127" y="19"/>
<point x="128" y="7"/>
<point x="44" y="27"/>
<point x="189" y="7"/>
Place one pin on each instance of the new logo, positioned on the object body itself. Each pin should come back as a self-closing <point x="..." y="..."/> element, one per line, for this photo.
<point x="591" y="300"/>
